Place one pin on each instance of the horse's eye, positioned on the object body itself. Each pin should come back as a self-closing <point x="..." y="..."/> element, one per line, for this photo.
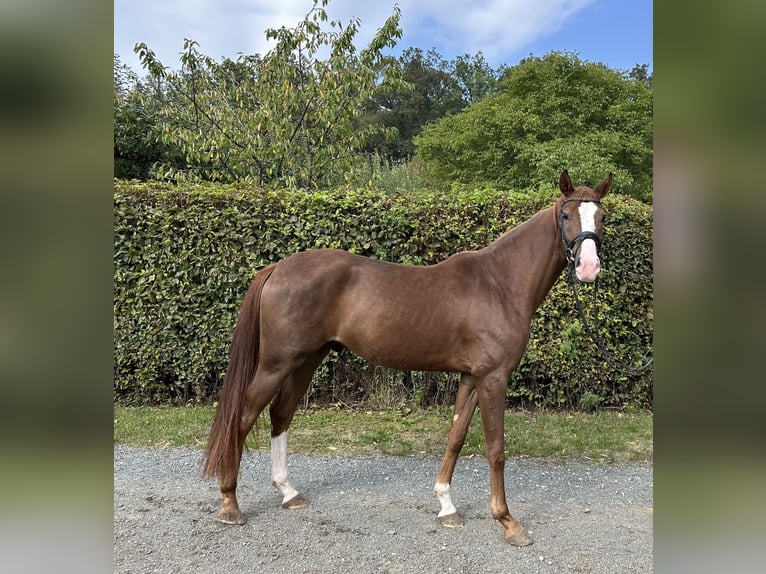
<point x="564" y="215"/>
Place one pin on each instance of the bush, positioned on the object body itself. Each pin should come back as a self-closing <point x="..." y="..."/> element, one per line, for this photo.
<point x="184" y="257"/>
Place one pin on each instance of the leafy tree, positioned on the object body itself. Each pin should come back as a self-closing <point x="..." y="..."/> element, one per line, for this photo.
<point x="286" y="117"/>
<point x="137" y="145"/>
<point x="475" y="77"/>
<point x="551" y="113"/>
<point x="641" y="73"/>
<point x="435" y="89"/>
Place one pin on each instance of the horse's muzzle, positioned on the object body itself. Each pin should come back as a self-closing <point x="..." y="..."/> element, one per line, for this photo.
<point x="587" y="263"/>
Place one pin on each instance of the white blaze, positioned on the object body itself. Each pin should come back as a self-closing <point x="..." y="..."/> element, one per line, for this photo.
<point x="588" y="264"/>
<point x="279" y="467"/>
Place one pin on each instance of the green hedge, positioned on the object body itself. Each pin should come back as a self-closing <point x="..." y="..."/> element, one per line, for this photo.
<point x="184" y="257"/>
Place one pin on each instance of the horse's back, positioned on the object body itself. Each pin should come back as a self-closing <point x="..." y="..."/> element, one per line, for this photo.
<point x="402" y="316"/>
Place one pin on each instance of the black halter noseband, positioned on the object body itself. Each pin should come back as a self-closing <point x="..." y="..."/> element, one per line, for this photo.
<point x="569" y="246"/>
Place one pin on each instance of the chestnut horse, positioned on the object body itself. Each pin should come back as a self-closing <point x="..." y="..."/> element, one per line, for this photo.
<point x="469" y="314"/>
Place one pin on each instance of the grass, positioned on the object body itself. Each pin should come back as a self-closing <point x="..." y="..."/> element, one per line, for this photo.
<point x="607" y="436"/>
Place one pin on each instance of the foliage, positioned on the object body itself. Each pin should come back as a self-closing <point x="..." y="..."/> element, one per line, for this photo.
<point x="434" y="88"/>
<point x="290" y="118"/>
<point x="137" y="126"/>
<point x="285" y="117"/>
<point x="390" y="176"/>
<point x="476" y="78"/>
<point x="641" y="73"/>
<point x="430" y="88"/>
<point x="550" y="111"/>
<point x="184" y="257"/>
<point x="624" y="313"/>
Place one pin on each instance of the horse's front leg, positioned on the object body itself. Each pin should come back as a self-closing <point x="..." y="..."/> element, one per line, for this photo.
<point x="491" y="393"/>
<point x="465" y="405"/>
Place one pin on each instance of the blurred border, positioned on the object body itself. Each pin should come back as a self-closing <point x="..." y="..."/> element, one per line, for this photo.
<point x="710" y="377"/>
<point x="56" y="293"/>
<point x="56" y="288"/>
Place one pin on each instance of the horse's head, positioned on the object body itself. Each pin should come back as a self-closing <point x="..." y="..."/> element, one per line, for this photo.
<point x="581" y="225"/>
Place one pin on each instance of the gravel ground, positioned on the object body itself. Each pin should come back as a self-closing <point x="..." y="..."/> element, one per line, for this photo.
<point x="378" y="515"/>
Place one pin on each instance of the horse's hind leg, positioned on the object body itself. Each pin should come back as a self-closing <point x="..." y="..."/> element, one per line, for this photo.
<point x="465" y="405"/>
<point x="282" y="410"/>
<point x="260" y="391"/>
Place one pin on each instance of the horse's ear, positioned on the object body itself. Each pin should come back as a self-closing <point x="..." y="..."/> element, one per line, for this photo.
<point x="565" y="184"/>
<point x="603" y="188"/>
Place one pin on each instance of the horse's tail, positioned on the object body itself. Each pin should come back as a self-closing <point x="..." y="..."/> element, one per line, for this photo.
<point x="222" y="454"/>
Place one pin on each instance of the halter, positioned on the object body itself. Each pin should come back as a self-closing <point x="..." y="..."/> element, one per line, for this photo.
<point x="569" y="246"/>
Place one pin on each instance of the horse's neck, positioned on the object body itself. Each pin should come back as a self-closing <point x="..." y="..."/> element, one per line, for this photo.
<point x="529" y="259"/>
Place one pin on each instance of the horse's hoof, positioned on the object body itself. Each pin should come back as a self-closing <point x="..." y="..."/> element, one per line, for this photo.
<point x="453" y="520"/>
<point x="231" y="516"/>
<point x="296" y="502"/>
<point x="521" y="538"/>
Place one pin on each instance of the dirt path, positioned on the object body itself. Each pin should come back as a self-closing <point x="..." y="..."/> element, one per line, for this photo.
<point x="378" y="515"/>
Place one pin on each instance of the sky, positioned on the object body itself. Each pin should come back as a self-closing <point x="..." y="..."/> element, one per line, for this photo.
<point x="617" y="33"/>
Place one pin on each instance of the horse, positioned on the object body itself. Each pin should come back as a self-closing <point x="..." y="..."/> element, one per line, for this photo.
<point x="470" y="314"/>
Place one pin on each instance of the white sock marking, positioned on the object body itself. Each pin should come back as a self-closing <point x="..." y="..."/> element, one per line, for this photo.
<point x="442" y="492"/>
<point x="279" y="467"/>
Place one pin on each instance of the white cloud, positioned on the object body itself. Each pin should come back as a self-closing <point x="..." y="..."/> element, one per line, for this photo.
<point x="494" y="27"/>
<point x="224" y="27"/>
